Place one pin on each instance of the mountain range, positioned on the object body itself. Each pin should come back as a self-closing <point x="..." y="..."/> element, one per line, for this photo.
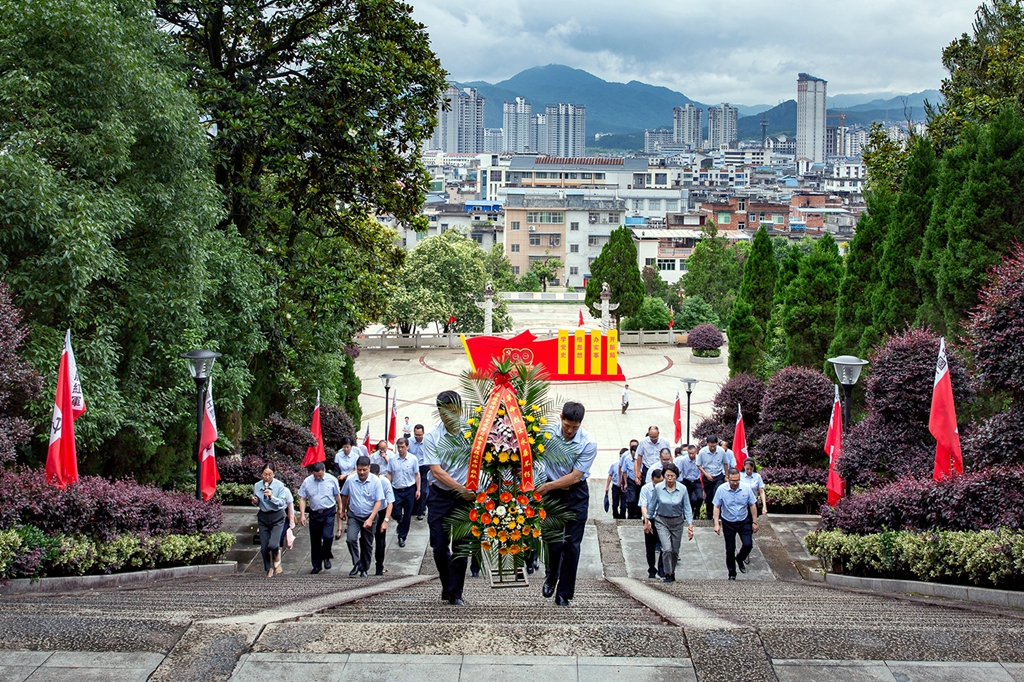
<point x="629" y="108"/>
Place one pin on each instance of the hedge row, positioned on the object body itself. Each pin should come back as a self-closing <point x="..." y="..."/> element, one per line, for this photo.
<point x="993" y="558"/>
<point x="28" y="552"/>
<point x="807" y="495"/>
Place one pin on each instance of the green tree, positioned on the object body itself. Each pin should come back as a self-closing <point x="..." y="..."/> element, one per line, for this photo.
<point x="546" y="269"/>
<point x="654" y="285"/>
<point x="528" y="281"/>
<point x="713" y="271"/>
<point x="789" y="268"/>
<point x="314" y="108"/>
<point x="759" y="275"/>
<point x="108" y="211"/>
<point x="617" y="265"/>
<point x="653" y="314"/>
<point x="499" y="269"/>
<point x="746" y="338"/>
<point x="809" y="315"/>
<point x="694" y="311"/>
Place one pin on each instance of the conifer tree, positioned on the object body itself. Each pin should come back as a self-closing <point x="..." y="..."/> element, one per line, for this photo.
<point x="809" y="315"/>
<point x="617" y="265"/>
<point x="746" y="337"/>
<point x="759" y="275"/>
<point x="788" y="270"/>
<point x="713" y="272"/>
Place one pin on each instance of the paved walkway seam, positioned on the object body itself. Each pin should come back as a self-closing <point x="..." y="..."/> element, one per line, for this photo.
<point x="673" y="609"/>
<point x="77" y="583"/>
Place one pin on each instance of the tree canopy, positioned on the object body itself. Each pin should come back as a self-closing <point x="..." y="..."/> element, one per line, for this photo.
<point x="809" y="318"/>
<point x="714" y="271"/>
<point x="617" y="265"/>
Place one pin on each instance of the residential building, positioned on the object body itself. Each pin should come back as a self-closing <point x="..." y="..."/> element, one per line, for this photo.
<point x="654" y="140"/>
<point x="686" y="127"/>
<point x="845" y="176"/>
<point x="817" y="212"/>
<point x="566" y="127"/>
<point x="539" y="133"/>
<point x="481" y="221"/>
<point x="722" y="126"/>
<point x="810" y="118"/>
<point x="668" y="248"/>
<point x="516" y="119"/>
<point x="494" y="138"/>
<point x="461" y="127"/>
<point x="856" y="138"/>
<point x="747" y="213"/>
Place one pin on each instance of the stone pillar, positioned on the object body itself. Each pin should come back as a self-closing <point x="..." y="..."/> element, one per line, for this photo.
<point x="606" y="306"/>
<point x="488" y="306"/>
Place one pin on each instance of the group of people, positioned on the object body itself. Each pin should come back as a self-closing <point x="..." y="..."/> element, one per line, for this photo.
<point x="666" y="489"/>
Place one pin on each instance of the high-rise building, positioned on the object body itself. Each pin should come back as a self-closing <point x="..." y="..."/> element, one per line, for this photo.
<point x="461" y="128"/>
<point x="810" y="118"/>
<point x="566" y="130"/>
<point x="687" y="126"/>
<point x="516" y="119"/>
<point x="723" y="132"/>
<point x="539" y="133"/>
<point x="494" y="139"/>
<point x="654" y="140"/>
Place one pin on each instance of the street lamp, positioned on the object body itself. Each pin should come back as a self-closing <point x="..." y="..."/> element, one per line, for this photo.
<point x="200" y="366"/>
<point x="689" y="389"/>
<point x="386" y="380"/>
<point x="848" y="369"/>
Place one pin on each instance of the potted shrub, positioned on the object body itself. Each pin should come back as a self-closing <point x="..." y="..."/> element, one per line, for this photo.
<point x="706" y="343"/>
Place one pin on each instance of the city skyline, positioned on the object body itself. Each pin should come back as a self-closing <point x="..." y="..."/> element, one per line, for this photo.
<point x="757" y="51"/>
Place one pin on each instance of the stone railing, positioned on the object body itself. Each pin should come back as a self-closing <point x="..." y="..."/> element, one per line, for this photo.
<point x="390" y="341"/>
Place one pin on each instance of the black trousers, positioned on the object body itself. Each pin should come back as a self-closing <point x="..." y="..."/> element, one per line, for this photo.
<point x="632" y="499"/>
<point x="401" y="512"/>
<point x="271" y="525"/>
<point x="451" y="567"/>
<point x="745" y="528"/>
<point x="564" y="553"/>
<point x="711" y="486"/>
<point x="618" y="503"/>
<point x="651" y="541"/>
<point x="380" y="540"/>
<point x="420" y="507"/>
<point x="321" y="535"/>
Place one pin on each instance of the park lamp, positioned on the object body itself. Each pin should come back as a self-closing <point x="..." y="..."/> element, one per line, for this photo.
<point x="689" y="384"/>
<point x="689" y="389"/>
<point x="386" y="379"/>
<point x="847" y="368"/>
<point x="200" y="363"/>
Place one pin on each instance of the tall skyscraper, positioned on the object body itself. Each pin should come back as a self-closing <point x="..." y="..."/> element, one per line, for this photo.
<point x="722" y="126"/>
<point x="461" y="128"/>
<point x="566" y="130"/>
<point x="539" y="133"/>
<point x="810" y="118"/>
<point x="687" y="126"/>
<point x="516" y="118"/>
<point x="494" y="139"/>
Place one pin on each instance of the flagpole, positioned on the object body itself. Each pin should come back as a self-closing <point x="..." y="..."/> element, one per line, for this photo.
<point x="200" y="408"/>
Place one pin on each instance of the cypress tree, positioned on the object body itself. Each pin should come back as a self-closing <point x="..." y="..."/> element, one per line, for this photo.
<point x="714" y="272"/>
<point x="789" y="268"/>
<point x="617" y="265"/>
<point x="809" y="314"/>
<point x="896" y="298"/>
<point x="759" y="275"/>
<point x="746" y="337"/>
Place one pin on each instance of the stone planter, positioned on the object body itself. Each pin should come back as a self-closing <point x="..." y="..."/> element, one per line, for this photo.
<point x="706" y="361"/>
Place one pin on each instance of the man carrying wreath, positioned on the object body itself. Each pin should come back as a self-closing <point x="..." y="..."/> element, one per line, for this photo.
<point x="567" y="483"/>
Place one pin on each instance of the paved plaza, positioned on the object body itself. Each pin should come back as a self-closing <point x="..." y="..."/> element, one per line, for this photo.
<point x="769" y="625"/>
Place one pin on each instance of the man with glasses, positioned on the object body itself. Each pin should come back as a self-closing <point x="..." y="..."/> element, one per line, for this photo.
<point x="736" y="512"/>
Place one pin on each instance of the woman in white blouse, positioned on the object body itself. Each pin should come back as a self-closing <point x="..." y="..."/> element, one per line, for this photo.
<point x="753" y="480"/>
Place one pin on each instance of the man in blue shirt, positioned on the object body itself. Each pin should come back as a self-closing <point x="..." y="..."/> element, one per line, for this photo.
<point x="324" y="496"/>
<point x="712" y="460"/>
<point x="631" y="488"/>
<point x="448" y="495"/>
<point x="567" y="483"/>
<point x="689" y="474"/>
<point x="362" y="496"/>
<point x="416" y="449"/>
<point x="614" y="486"/>
<point x="404" y="474"/>
<point x="736" y="512"/>
<point x="345" y="459"/>
<point x="380" y="532"/>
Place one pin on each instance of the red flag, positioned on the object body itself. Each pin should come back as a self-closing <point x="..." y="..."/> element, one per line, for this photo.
<point x="69" y="405"/>
<point x="451" y="320"/>
<point x="581" y="319"/>
<point x="739" y="439"/>
<point x="942" y="422"/>
<point x="677" y="420"/>
<point x="834" y="448"/>
<point x="393" y="427"/>
<point x="208" y="474"/>
<point x="315" y="453"/>
<point x="366" y="441"/>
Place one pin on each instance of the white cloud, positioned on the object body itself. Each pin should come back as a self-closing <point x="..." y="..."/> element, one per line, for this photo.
<point x="742" y="51"/>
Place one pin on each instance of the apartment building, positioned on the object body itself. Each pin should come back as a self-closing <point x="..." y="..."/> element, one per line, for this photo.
<point x="687" y="126"/>
<point x="516" y="119"/>
<point x="461" y="127"/>
<point x="481" y="221"/>
<point x="566" y="127"/>
<point x="668" y="248"/>
<point x="723" y="131"/>
<point x="654" y="140"/>
<point x="810" y="117"/>
<point x="747" y="213"/>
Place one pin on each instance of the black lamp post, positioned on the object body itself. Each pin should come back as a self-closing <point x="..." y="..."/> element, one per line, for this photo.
<point x="200" y="366"/>
<point x="386" y="380"/>
<point x="848" y="369"/>
<point x="689" y="389"/>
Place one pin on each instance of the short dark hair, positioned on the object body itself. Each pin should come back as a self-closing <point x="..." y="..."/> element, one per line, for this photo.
<point x="623" y="451"/>
<point x="419" y="426"/>
<point x="363" y="461"/>
<point x="375" y="469"/>
<point x="319" y="466"/>
<point x="653" y="427"/>
<point x="448" y="398"/>
<point x="401" y="441"/>
<point x="573" y="411"/>
<point x="679" y="451"/>
<point x="670" y="467"/>
<point x="268" y="465"/>
<point x="712" y="439"/>
<point x="657" y="473"/>
<point x="634" y="440"/>
<point x="348" y="440"/>
<point x="751" y="462"/>
<point x="384" y="442"/>
<point x="691" y="447"/>
<point x="732" y="472"/>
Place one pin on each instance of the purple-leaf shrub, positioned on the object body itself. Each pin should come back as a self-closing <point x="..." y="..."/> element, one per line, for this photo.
<point x="278" y="440"/>
<point x="792" y="475"/>
<point x="997" y="440"/>
<point x="980" y="500"/>
<point x="785" y="449"/>
<point x="797" y="398"/>
<point x="996" y="327"/>
<point x="705" y="337"/>
<point x="335" y="424"/>
<point x="743" y="389"/>
<point x="899" y="388"/>
<point x="876" y="450"/>
<point x="247" y="469"/>
<point x="19" y="383"/>
<point x="102" y="508"/>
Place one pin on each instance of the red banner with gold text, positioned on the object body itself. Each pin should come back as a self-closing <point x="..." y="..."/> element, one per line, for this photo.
<point x="597" y="360"/>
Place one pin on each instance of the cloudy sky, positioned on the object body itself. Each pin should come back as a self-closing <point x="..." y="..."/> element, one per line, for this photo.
<point x="743" y="51"/>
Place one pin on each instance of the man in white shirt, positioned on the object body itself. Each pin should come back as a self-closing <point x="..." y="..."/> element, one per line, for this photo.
<point x="649" y="453"/>
<point x="404" y="474"/>
<point x="625" y="398"/>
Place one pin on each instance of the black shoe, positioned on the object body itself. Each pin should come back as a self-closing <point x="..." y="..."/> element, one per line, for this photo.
<point x="445" y="597"/>
<point x="420" y="517"/>
<point x="475" y="572"/>
<point x="401" y="542"/>
<point x="379" y="571"/>
<point x="668" y="579"/>
<point x="547" y="590"/>
<point x="327" y="564"/>
<point x="739" y="565"/>
<point x="354" y="572"/>
<point x="561" y="601"/>
<point x="652" y="574"/>
<point x="458" y="601"/>
<point x="732" y="577"/>
<point x="362" y="574"/>
<point x="530" y="569"/>
<point x="315" y="571"/>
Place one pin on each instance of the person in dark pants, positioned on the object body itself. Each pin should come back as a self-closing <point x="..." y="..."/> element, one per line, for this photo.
<point x="269" y="495"/>
<point x="448" y="495"/>
<point x="736" y="513"/>
<point x="404" y="474"/>
<point x="612" y="487"/>
<point x="712" y="460"/>
<point x="416" y="450"/>
<point x="567" y="483"/>
<point x="380" y="532"/>
<point x="631" y="487"/>
<point x="361" y="500"/>
<point x="651" y="538"/>
<point x="324" y="496"/>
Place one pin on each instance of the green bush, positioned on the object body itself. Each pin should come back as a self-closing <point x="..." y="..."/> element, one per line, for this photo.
<point x="807" y="495"/>
<point x="234" y="493"/>
<point x="653" y="314"/>
<point x="986" y="557"/>
<point x="709" y="353"/>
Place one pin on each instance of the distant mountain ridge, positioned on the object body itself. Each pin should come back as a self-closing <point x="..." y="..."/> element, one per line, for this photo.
<point x="628" y="108"/>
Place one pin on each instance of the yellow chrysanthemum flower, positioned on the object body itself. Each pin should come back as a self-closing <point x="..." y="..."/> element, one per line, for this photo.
<point x="469" y="434"/>
<point x="488" y="457"/>
<point x="520" y="519"/>
<point x="547" y="436"/>
<point x="543" y="420"/>
<point x="530" y="418"/>
<point x="501" y="413"/>
<point x="502" y="457"/>
<point x="515" y="457"/>
<point x="534" y="408"/>
<point x="478" y="409"/>
<point x="522" y="402"/>
<point x="532" y="441"/>
<point x="540" y="448"/>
